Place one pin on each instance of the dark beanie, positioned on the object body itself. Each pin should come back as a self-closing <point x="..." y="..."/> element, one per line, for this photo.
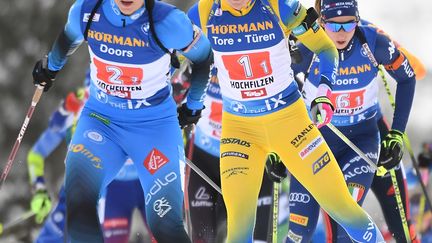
<point x="336" y="8"/>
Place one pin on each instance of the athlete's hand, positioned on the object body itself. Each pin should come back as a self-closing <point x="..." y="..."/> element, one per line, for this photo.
<point x="187" y="116"/>
<point x="41" y="202"/>
<point x="321" y="107"/>
<point x="275" y="168"/>
<point x="391" y="150"/>
<point x="42" y="75"/>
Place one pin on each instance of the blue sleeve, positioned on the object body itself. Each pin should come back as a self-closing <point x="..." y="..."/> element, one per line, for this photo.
<point x="193" y="45"/>
<point x="69" y="39"/>
<point x="175" y="30"/>
<point x="386" y="53"/>
<point x="48" y="141"/>
<point x="307" y="56"/>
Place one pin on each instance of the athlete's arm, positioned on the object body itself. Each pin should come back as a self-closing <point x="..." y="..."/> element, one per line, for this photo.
<point x="303" y="65"/>
<point x="68" y="40"/>
<point x="307" y="30"/>
<point x="398" y="66"/>
<point x="49" y="140"/>
<point x="418" y="66"/>
<point x="177" y="31"/>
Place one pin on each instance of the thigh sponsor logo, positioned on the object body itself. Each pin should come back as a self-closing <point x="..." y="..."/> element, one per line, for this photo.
<point x="80" y="148"/>
<point x="235" y="171"/>
<point x="202" y="198"/>
<point x="234" y="154"/>
<point x="299" y="197"/>
<point x="364" y="169"/>
<point x="298" y="219"/>
<point x="320" y="163"/>
<point x="161" y="207"/>
<point x="301" y="137"/>
<point x="370" y="231"/>
<point x="311" y="147"/>
<point x="235" y="141"/>
<point x="95" y="136"/>
<point x="294" y="237"/>
<point x="155" y="160"/>
<point x="158" y="184"/>
<point x="356" y="191"/>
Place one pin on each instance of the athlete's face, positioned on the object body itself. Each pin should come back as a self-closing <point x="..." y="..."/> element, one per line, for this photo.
<point x="238" y="4"/>
<point x="340" y="30"/>
<point x="128" y="7"/>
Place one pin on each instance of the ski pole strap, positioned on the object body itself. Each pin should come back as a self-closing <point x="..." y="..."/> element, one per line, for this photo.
<point x="90" y="19"/>
<point x="174" y="60"/>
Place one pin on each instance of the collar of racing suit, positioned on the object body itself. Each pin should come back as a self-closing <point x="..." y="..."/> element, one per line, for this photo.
<point x="225" y="6"/>
<point x="115" y="17"/>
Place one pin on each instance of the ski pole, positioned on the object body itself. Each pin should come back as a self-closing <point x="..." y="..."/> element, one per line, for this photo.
<point x="16" y="221"/>
<point x="275" y="212"/>
<point x="406" y="140"/>
<point x="36" y="96"/>
<point x="380" y="170"/>
<point x="203" y="175"/>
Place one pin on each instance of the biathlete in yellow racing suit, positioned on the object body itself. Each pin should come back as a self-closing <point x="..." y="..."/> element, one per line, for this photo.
<point x="263" y="111"/>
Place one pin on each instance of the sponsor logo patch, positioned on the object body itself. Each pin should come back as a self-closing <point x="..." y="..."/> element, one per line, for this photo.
<point x="320" y="163"/>
<point x="81" y="149"/>
<point x="235" y="141"/>
<point x="161" y="207"/>
<point x="234" y="154"/>
<point x="356" y="191"/>
<point x="294" y="237"/>
<point x="246" y="94"/>
<point x="311" y="147"/>
<point x="235" y="171"/>
<point x="155" y="160"/>
<point x="301" y="137"/>
<point x="298" y="219"/>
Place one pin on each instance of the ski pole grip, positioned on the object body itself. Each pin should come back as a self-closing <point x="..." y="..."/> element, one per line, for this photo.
<point x="37" y="94"/>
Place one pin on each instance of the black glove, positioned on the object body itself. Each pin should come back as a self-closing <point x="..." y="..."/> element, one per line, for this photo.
<point x="275" y="168"/>
<point x="187" y="116"/>
<point x="391" y="150"/>
<point x="42" y="75"/>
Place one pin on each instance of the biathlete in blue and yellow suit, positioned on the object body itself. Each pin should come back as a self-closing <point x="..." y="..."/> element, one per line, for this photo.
<point x="130" y="112"/>
<point x="263" y="110"/>
<point x="355" y="96"/>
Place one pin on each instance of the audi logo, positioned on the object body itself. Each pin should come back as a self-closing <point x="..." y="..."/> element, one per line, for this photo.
<point x="299" y="197"/>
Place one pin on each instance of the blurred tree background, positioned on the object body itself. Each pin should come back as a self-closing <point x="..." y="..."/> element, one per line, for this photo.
<point x="27" y="30"/>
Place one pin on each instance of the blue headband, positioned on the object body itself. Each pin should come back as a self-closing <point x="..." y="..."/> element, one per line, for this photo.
<point x="336" y="8"/>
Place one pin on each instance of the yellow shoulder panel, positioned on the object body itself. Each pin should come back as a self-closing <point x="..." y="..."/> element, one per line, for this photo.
<point x="204" y="8"/>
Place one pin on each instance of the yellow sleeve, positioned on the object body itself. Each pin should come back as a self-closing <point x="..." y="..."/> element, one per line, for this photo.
<point x="35" y="163"/>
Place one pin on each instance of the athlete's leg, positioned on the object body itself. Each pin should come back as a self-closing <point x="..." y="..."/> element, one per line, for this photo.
<point x="53" y="229"/>
<point x="241" y="168"/>
<point x="383" y="190"/>
<point x="93" y="159"/>
<point x="264" y="211"/>
<point x="203" y="199"/>
<point x="304" y="213"/>
<point x="120" y="202"/>
<point x="358" y="174"/>
<point x="317" y="170"/>
<point x="157" y="151"/>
